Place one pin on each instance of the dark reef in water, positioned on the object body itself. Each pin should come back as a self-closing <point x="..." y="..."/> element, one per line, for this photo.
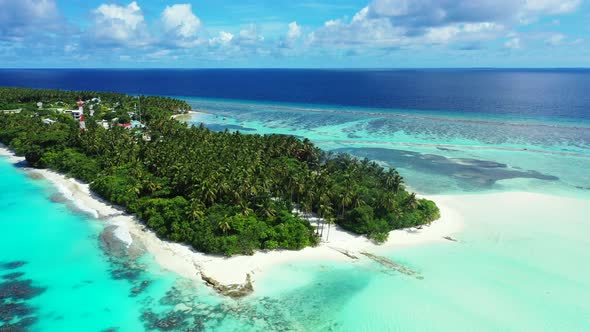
<point x="445" y="149"/>
<point x="19" y="290"/>
<point x="393" y="266"/>
<point x="111" y="329"/>
<point x="184" y="312"/>
<point x="15" y="313"/>
<point x="170" y="321"/>
<point x="467" y="172"/>
<point x="236" y="291"/>
<point x="12" y="265"/>
<point x="217" y="127"/>
<point x="123" y="259"/>
<point x="13" y="276"/>
<point x="140" y="288"/>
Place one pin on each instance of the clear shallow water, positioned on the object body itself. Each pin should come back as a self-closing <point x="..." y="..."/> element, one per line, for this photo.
<point x="515" y="269"/>
<point x="53" y="266"/>
<point x="516" y="266"/>
<point x="437" y="152"/>
<point x="55" y="275"/>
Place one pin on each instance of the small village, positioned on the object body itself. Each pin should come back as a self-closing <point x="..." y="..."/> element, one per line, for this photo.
<point x="127" y="120"/>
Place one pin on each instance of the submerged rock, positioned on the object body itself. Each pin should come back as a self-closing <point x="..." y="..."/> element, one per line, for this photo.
<point x="15" y="313"/>
<point x="35" y="175"/>
<point x="58" y="198"/>
<point x="12" y="265"/>
<point x="139" y="289"/>
<point x="172" y="321"/>
<point x="111" y="329"/>
<point x="393" y="265"/>
<point x="10" y="310"/>
<point x="111" y="244"/>
<point x="19" y="290"/>
<point x="20" y="326"/>
<point x="183" y="307"/>
<point x="13" y="276"/>
<point x="235" y="291"/>
<point x="345" y="253"/>
<point x="114" y="246"/>
<point x="126" y="272"/>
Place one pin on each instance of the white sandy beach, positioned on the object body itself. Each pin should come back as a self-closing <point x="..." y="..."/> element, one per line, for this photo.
<point x="188" y="115"/>
<point x="184" y="261"/>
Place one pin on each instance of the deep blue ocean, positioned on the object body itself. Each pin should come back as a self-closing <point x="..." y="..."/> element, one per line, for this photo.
<point x="545" y="93"/>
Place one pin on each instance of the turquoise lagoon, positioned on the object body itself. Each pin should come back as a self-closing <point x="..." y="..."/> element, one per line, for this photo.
<point x="519" y="265"/>
<point x="437" y="152"/>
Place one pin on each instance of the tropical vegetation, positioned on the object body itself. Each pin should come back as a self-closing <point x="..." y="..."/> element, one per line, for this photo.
<point x="221" y="192"/>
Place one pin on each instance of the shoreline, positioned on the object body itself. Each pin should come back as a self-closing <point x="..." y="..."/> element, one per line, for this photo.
<point x="181" y="259"/>
<point x="188" y="114"/>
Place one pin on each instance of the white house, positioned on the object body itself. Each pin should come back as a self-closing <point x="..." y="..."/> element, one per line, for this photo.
<point x="74" y="113"/>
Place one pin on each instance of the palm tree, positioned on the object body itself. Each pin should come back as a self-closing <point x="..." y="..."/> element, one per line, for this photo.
<point x="136" y="188"/>
<point x="208" y="192"/>
<point x="388" y="201"/>
<point x="330" y="221"/>
<point x="152" y="186"/>
<point x="411" y="201"/>
<point x="325" y="210"/>
<point x="397" y="182"/>
<point x="224" y="226"/>
<point x="345" y="200"/>
<point x="197" y="209"/>
<point x="266" y="209"/>
<point x="246" y="210"/>
<point x="356" y="199"/>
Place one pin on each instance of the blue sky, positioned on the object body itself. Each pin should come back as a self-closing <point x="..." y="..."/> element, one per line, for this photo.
<point x="285" y="34"/>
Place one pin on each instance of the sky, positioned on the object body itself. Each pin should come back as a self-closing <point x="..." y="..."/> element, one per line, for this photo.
<point x="294" y="34"/>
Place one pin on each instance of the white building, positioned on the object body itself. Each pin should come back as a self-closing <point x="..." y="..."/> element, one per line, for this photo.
<point x="74" y="113"/>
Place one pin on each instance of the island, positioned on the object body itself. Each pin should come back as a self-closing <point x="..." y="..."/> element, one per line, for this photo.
<point x="224" y="193"/>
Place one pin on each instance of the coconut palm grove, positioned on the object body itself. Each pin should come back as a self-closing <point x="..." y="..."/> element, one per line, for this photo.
<point x="221" y="192"/>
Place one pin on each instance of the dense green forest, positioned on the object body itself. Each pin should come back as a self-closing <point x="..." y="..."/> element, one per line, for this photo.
<point x="221" y="192"/>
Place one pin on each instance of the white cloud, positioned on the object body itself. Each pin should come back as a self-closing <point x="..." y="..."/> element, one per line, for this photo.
<point x="249" y="36"/>
<point x="180" y="20"/>
<point x="159" y="54"/>
<point x="552" y="7"/>
<point x="124" y="25"/>
<point x="465" y="33"/>
<point x="513" y="43"/>
<point x="130" y="17"/>
<point x="292" y="36"/>
<point x="70" y="48"/>
<point x="362" y="15"/>
<point x="247" y="41"/>
<point x="332" y="23"/>
<point x="224" y="38"/>
<point x="21" y="18"/>
<point x="555" y="39"/>
<point x="406" y="23"/>
<point x="118" y="28"/>
<point x="294" y="31"/>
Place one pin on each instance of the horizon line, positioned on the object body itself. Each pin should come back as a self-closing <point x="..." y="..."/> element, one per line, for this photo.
<point x="297" y="68"/>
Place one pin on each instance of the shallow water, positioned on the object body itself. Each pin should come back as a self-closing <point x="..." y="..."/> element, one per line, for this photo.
<point x="437" y="152"/>
<point x="517" y="265"/>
